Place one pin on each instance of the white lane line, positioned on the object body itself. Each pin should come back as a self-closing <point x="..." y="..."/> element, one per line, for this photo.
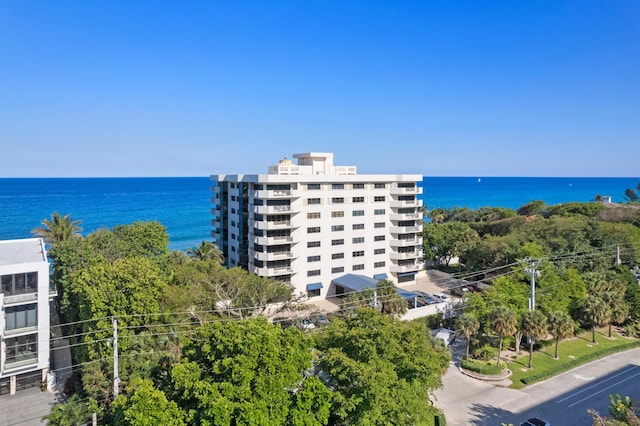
<point x="598" y="384"/>
<point x="602" y="390"/>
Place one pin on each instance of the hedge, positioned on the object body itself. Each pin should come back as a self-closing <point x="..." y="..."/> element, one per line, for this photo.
<point x="482" y="367"/>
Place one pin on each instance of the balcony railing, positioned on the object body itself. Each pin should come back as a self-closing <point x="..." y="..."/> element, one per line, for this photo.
<point x="404" y="229"/>
<point x="271" y="209"/>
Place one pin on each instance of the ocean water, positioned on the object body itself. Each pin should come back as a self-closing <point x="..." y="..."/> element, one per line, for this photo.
<point x="183" y="204"/>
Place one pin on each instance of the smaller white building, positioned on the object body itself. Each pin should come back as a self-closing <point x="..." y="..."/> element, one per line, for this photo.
<point x="24" y="319"/>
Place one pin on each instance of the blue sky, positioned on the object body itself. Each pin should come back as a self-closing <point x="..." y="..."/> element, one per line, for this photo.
<point x="440" y="88"/>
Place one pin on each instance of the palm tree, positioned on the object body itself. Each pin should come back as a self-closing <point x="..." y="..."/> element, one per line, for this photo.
<point x="594" y="311"/>
<point x="59" y="228"/>
<point x="468" y="325"/>
<point x="504" y="322"/>
<point x="619" y="312"/>
<point x="560" y="326"/>
<point x="534" y="323"/>
<point x="206" y="250"/>
<point x="392" y="303"/>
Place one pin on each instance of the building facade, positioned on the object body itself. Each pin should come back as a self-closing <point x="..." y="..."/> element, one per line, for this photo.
<point x="24" y="322"/>
<point x="310" y="222"/>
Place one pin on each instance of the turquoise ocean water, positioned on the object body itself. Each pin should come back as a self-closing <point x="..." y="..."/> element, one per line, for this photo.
<point x="183" y="204"/>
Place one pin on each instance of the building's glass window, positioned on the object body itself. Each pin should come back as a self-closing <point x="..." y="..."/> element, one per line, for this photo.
<point x="379" y="198"/>
<point x="358" y="240"/>
<point x="312" y="244"/>
<point x="233" y="236"/>
<point x="21" y="348"/>
<point x="357" y="226"/>
<point x="358" y="267"/>
<point x="233" y="249"/>
<point x="378" y="225"/>
<point x="358" y="213"/>
<point x="313" y="293"/>
<point x="313" y="230"/>
<point x="19" y="283"/>
<point x="337" y="186"/>
<point x="313" y="200"/>
<point x="379" y="265"/>
<point x="337" y="242"/>
<point x="380" y="185"/>
<point x="313" y="258"/>
<point x="21" y="316"/>
<point x="313" y="186"/>
<point x="233" y="223"/>
<point x="358" y="199"/>
<point x="336" y="228"/>
<point x="337" y="200"/>
<point x="234" y="198"/>
<point x="314" y="215"/>
<point x="379" y="251"/>
<point x="378" y="212"/>
<point x="337" y="256"/>
<point x="378" y="238"/>
<point x="358" y="253"/>
<point x="233" y="211"/>
<point x="313" y="273"/>
<point x="337" y="214"/>
<point x="358" y="186"/>
<point x="337" y="269"/>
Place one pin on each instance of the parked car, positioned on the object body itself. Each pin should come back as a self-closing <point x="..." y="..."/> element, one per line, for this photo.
<point x="441" y="297"/>
<point x="283" y="322"/>
<point x="447" y="336"/>
<point x="321" y="319"/>
<point x="305" y="324"/>
<point x="430" y="300"/>
<point x="534" y="421"/>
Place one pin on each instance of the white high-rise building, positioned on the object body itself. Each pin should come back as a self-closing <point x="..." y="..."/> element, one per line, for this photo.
<point x="24" y="319"/>
<point x="312" y="222"/>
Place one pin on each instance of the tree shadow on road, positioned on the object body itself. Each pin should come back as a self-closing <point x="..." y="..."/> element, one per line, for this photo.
<point x="482" y="415"/>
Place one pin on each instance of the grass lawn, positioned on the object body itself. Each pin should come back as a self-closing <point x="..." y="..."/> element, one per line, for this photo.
<point x="571" y="352"/>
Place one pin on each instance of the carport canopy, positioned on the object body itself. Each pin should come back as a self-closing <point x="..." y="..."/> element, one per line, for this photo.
<point x="354" y="282"/>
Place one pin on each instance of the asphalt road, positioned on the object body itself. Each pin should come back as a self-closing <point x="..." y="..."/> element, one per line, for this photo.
<point x="562" y="400"/>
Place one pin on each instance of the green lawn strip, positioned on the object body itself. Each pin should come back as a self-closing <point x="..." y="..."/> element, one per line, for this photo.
<point x="571" y="352"/>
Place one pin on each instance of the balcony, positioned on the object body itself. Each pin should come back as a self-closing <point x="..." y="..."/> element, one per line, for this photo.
<point x="270" y="272"/>
<point x="406" y="191"/>
<point x="264" y="256"/>
<point x="269" y="241"/>
<point x="267" y="194"/>
<point x="405" y="229"/>
<point x="271" y="209"/>
<point x="405" y="268"/>
<point x="266" y="226"/>
<point x="406" y="243"/>
<point x="394" y="255"/>
<point x="403" y="203"/>
<point x="405" y="216"/>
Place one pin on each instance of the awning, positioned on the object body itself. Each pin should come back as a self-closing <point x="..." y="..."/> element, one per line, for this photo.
<point x="382" y="276"/>
<point x="354" y="282"/>
<point x="407" y="274"/>
<point x="314" y="286"/>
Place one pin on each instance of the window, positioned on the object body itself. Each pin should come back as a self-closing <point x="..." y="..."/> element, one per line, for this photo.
<point x="233" y="223"/>
<point x="378" y="212"/>
<point x="358" y="213"/>
<point x="312" y="244"/>
<point x="357" y="226"/>
<point x="313" y="186"/>
<point x="337" y="186"/>
<point x="358" y="267"/>
<point x="21" y="316"/>
<point x="313" y="230"/>
<point x="378" y="225"/>
<point x="313" y="200"/>
<point x="379" y="198"/>
<point x="378" y="238"/>
<point x="19" y="283"/>
<point x="358" y="240"/>
<point x="233" y="236"/>
<point x="335" y="256"/>
<point x="337" y="269"/>
<point x="337" y="200"/>
<point x="234" y="198"/>
<point x="379" y="251"/>
<point x="358" y="253"/>
<point x="380" y="185"/>
<point x="337" y="242"/>
<point x="21" y="348"/>
<point x="233" y="211"/>
<point x="358" y="199"/>
<point x="336" y="228"/>
<point x="337" y="214"/>
<point x="313" y="293"/>
<point x="358" y="186"/>
<point x="314" y="215"/>
<point x="378" y="265"/>
<point x="233" y="249"/>
<point x="313" y="273"/>
<point x="313" y="258"/>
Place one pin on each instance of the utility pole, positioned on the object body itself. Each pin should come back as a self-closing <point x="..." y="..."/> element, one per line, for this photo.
<point x="532" y="274"/>
<point x="116" y="378"/>
<point x="618" y="261"/>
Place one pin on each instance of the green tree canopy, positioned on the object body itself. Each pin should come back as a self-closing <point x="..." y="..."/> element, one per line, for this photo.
<point x="58" y="228"/>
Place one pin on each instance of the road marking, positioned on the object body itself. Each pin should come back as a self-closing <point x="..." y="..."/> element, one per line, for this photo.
<point x="579" y="377"/>
<point x="602" y="390"/>
<point x="598" y="384"/>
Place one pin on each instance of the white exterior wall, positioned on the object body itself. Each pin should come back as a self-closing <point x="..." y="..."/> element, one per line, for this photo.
<point x="314" y="172"/>
<point x="41" y="267"/>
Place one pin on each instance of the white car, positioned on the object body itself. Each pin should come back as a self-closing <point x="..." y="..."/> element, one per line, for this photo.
<point x="441" y="297"/>
<point x="306" y="324"/>
<point x="447" y="336"/>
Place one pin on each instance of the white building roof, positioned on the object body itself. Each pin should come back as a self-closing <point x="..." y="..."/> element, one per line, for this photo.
<point x="28" y="250"/>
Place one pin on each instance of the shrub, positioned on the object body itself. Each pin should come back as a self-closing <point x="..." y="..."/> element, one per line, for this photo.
<point x="485" y="352"/>
<point x="482" y="367"/>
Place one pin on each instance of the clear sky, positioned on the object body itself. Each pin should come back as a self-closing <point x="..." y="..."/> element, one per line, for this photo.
<point x="440" y="88"/>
